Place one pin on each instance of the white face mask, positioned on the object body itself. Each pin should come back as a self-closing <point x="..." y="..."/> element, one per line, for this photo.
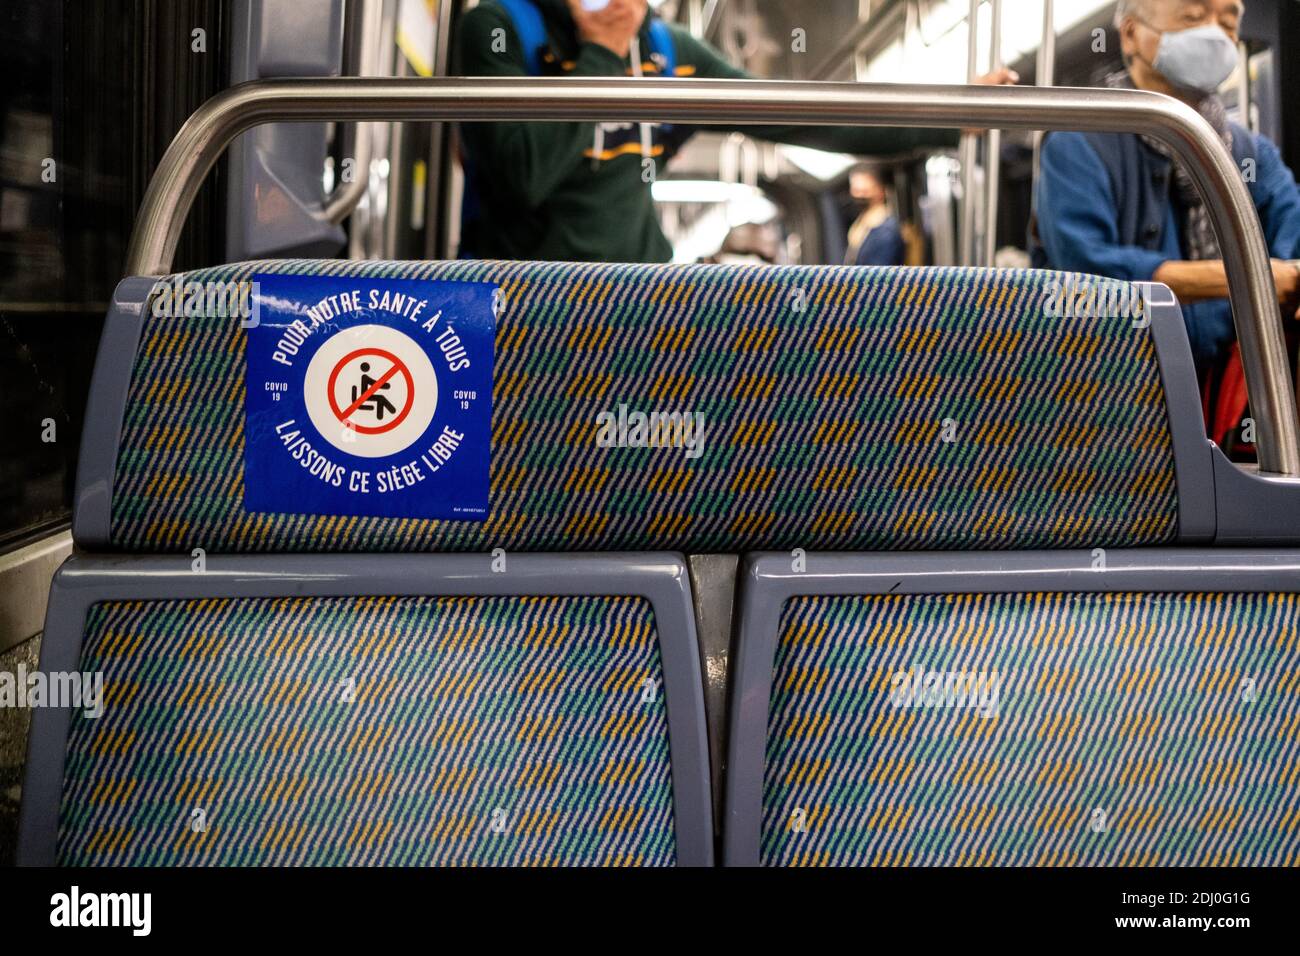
<point x="1197" y="59"/>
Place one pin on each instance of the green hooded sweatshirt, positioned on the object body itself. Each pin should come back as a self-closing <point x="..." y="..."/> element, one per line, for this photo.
<point x="566" y="192"/>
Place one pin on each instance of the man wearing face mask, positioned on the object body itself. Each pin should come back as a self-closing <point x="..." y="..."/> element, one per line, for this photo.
<point x="581" y="191"/>
<point x="1119" y="205"/>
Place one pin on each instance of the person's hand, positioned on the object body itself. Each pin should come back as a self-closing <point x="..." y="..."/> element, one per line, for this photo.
<point x="1286" y="277"/>
<point x="613" y="27"/>
<point x="1002" y="76"/>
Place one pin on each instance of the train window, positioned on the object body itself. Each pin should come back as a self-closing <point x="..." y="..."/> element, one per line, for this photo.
<point x="58" y="264"/>
<point x="93" y="94"/>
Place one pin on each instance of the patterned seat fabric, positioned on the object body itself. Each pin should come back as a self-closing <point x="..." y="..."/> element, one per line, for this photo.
<point x="1128" y="730"/>
<point x="521" y="731"/>
<point x="843" y="409"/>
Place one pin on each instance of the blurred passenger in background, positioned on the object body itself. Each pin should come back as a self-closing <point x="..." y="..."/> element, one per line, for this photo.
<point x="574" y="191"/>
<point x="875" y="238"/>
<point x="749" y="244"/>
<point x="1119" y="204"/>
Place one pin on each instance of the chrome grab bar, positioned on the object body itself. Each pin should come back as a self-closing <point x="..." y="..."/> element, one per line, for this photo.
<point x="208" y="132"/>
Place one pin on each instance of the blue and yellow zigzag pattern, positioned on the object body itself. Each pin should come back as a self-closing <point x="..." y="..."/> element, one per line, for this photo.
<point x="827" y="394"/>
<point x="485" y="731"/>
<point x="1131" y="704"/>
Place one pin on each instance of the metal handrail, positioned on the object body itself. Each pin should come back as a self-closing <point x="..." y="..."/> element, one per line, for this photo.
<point x="208" y="132"/>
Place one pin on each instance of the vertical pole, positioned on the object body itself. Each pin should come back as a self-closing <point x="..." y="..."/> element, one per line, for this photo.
<point x="1044" y="72"/>
<point x="993" y="141"/>
<point x="437" y="221"/>
<point x="969" y="148"/>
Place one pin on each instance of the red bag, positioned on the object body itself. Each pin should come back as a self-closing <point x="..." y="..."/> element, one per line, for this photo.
<point x="1223" y="401"/>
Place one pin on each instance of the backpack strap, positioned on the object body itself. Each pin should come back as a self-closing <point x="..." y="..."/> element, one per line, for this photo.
<point x="528" y="24"/>
<point x="527" y="20"/>
<point x="661" y="42"/>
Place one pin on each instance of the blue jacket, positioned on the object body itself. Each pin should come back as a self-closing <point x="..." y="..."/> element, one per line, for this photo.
<point x="883" y="246"/>
<point x="1104" y="207"/>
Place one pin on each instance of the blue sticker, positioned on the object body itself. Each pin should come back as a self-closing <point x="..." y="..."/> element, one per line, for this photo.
<point x="369" y="396"/>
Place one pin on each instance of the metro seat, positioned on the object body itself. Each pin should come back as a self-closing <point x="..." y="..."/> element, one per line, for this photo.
<point x="1062" y="707"/>
<point x="377" y="710"/>
<point x="1144" y="714"/>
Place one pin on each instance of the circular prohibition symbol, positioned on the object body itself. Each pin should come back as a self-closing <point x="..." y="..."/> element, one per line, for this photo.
<point x="370" y="391"/>
<point x="370" y="397"/>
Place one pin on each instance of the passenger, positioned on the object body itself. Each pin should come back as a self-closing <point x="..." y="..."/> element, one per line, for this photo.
<point x="1119" y="205"/>
<point x="875" y="238"/>
<point x="571" y="191"/>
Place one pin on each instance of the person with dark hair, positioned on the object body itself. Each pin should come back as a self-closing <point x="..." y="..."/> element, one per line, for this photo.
<point x="875" y="238"/>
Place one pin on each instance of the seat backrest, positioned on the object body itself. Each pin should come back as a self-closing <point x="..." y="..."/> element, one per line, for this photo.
<point x="840" y="408"/>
